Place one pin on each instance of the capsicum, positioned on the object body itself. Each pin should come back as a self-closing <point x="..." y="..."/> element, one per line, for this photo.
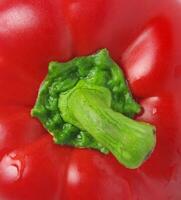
<point x="82" y="157"/>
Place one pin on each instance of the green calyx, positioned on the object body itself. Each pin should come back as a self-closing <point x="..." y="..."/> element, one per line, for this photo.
<point x="86" y="103"/>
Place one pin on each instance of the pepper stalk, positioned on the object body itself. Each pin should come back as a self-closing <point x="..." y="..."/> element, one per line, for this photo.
<point x="86" y="103"/>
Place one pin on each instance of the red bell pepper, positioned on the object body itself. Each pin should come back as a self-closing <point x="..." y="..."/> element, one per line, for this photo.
<point x="144" y="38"/>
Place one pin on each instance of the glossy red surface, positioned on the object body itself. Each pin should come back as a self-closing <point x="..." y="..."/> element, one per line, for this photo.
<point x="144" y="38"/>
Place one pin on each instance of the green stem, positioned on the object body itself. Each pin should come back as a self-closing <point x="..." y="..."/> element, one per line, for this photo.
<point x="89" y="108"/>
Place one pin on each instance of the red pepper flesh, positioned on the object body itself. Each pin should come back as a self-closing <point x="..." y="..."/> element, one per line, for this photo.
<point x="144" y="38"/>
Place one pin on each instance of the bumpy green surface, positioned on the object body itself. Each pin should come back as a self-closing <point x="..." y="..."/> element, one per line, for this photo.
<point x="69" y="119"/>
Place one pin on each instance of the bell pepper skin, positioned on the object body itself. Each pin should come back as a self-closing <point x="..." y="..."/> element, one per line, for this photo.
<point x="144" y="38"/>
<point x="17" y="121"/>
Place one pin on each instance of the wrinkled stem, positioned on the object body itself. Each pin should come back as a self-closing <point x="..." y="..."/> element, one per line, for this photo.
<point x="89" y="108"/>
